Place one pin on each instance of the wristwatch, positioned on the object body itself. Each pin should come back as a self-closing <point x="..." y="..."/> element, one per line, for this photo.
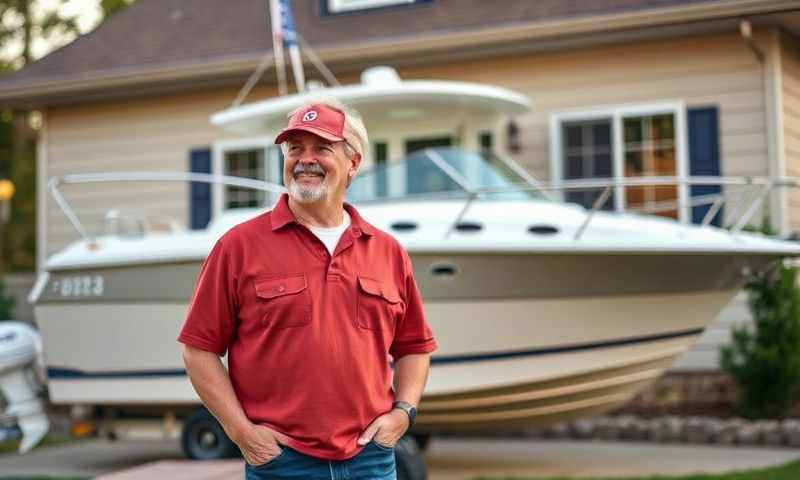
<point x="410" y="410"/>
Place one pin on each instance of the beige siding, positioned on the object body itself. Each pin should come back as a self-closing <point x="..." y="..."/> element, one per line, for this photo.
<point x="714" y="70"/>
<point x="705" y="353"/>
<point x="154" y="134"/>
<point x="790" y="68"/>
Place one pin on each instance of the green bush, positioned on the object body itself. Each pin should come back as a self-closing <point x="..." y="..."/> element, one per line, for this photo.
<point x="765" y="360"/>
<point x="6" y="303"/>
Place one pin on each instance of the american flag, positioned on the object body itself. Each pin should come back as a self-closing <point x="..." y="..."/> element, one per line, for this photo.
<point x="287" y="24"/>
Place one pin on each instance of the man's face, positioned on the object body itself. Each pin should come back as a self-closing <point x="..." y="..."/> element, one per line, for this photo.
<point x="315" y="168"/>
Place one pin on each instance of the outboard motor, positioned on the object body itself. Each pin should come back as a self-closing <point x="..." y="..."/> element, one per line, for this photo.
<point x="22" y="412"/>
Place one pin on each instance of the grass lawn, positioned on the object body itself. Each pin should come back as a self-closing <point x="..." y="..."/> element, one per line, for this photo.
<point x="789" y="471"/>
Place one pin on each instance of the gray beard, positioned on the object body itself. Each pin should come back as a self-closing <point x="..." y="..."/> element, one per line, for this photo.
<point x="304" y="194"/>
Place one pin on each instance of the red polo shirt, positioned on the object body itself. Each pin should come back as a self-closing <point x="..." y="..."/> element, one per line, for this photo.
<point x="308" y="334"/>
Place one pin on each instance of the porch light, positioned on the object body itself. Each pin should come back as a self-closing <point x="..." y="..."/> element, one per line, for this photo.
<point x="6" y="189"/>
<point x="6" y="192"/>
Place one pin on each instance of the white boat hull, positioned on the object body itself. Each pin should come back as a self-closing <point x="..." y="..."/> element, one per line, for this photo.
<point x="502" y="364"/>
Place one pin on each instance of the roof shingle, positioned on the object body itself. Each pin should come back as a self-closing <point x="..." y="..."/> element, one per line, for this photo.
<point x="158" y="33"/>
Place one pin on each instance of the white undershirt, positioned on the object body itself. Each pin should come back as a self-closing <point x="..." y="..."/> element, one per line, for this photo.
<point x="330" y="236"/>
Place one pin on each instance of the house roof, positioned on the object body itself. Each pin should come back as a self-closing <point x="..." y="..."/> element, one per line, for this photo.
<point x="161" y="41"/>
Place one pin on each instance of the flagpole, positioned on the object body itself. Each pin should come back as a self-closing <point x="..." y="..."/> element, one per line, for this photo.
<point x="290" y="41"/>
<point x="297" y="68"/>
<point x="277" y="45"/>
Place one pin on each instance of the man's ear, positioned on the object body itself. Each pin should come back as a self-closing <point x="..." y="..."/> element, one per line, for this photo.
<point x="355" y="162"/>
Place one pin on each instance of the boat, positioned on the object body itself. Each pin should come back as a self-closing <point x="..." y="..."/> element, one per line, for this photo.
<point x="544" y="311"/>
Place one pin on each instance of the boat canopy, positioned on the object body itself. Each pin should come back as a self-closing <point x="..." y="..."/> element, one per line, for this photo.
<point x="380" y="97"/>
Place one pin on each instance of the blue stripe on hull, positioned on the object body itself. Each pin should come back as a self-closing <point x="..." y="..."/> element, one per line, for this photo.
<point x="68" y="373"/>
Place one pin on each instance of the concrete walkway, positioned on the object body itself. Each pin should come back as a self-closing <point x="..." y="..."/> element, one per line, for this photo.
<point x="448" y="459"/>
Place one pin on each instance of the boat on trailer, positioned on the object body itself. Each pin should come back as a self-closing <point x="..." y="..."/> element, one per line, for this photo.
<point x="544" y="311"/>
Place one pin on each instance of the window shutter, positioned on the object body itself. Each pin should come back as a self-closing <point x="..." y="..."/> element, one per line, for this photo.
<point x="704" y="156"/>
<point x="199" y="192"/>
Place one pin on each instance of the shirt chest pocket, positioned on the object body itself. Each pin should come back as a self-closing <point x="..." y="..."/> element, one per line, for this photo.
<point x="379" y="304"/>
<point x="283" y="301"/>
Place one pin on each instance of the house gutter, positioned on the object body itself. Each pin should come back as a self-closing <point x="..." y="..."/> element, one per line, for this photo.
<point x="772" y="71"/>
<point x="343" y="54"/>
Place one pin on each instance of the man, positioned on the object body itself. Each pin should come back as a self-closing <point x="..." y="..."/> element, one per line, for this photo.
<point x="310" y="300"/>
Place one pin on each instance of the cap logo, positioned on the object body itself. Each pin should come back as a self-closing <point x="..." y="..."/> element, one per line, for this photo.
<point x="310" y="116"/>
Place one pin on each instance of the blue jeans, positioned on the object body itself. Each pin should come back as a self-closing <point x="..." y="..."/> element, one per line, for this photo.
<point x="375" y="462"/>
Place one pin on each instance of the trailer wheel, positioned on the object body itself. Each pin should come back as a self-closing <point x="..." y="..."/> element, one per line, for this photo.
<point x="409" y="460"/>
<point x="423" y="440"/>
<point x="203" y="438"/>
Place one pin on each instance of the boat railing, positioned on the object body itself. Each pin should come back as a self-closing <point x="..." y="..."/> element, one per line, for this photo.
<point x="162" y="176"/>
<point x="754" y="192"/>
<point x="760" y="188"/>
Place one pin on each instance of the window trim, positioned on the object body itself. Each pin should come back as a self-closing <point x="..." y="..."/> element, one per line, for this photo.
<point x="617" y="113"/>
<point x="218" y="150"/>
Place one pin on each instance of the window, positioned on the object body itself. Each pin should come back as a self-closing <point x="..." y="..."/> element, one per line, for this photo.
<point x="587" y="154"/>
<point x="344" y="6"/>
<point x="258" y="159"/>
<point x="619" y="143"/>
<point x="249" y="164"/>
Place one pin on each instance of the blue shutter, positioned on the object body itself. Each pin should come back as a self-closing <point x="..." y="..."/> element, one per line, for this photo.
<point x="199" y="193"/>
<point x="704" y="156"/>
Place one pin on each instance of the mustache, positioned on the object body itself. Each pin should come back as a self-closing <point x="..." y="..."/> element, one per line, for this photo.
<point x="310" y="168"/>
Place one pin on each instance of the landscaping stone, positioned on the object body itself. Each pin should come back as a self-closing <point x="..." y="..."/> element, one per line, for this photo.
<point x="582" y="428"/>
<point x="673" y="429"/>
<point x="791" y="432"/>
<point x="724" y="432"/>
<point x="771" y="433"/>
<point x="668" y="429"/>
<point x="748" y="434"/>
<point x="697" y="430"/>
<point x="558" y="430"/>
<point x="606" y="428"/>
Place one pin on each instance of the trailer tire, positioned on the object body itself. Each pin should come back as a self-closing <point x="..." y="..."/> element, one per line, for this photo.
<point x="203" y="438"/>
<point x="409" y="460"/>
<point x="423" y="440"/>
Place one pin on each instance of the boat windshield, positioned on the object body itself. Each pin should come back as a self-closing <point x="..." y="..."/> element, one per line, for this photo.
<point x="442" y="172"/>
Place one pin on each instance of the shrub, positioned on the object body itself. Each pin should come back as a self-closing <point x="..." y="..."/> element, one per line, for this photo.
<point x="6" y="303"/>
<point x="765" y="360"/>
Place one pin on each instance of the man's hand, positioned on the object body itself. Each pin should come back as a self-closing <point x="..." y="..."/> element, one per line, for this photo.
<point x="260" y="444"/>
<point x="386" y="429"/>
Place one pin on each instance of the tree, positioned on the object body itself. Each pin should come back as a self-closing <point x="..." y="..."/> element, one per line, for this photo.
<point x="21" y="23"/>
<point x="110" y="7"/>
<point x="6" y="303"/>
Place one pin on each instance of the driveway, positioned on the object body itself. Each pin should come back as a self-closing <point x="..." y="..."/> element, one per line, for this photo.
<point x="448" y="459"/>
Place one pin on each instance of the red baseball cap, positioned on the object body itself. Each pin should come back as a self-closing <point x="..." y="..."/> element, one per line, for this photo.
<point x="321" y="120"/>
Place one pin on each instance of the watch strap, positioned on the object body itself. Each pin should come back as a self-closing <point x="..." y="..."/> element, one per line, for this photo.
<point x="410" y="410"/>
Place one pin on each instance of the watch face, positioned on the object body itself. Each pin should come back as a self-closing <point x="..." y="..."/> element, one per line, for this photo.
<point x="410" y="410"/>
